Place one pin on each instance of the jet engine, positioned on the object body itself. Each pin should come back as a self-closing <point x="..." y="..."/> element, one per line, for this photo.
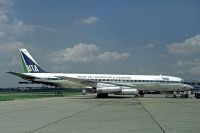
<point x="129" y="91"/>
<point x="119" y="90"/>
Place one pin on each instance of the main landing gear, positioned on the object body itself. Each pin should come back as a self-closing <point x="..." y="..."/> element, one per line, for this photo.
<point x="58" y="92"/>
<point x="141" y="93"/>
<point x="102" y="95"/>
<point x="184" y="94"/>
<point x="197" y="95"/>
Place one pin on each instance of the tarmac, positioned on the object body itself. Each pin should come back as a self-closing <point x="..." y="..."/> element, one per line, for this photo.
<point x="88" y="114"/>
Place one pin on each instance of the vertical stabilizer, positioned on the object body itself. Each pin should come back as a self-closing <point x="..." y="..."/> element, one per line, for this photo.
<point x="29" y="64"/>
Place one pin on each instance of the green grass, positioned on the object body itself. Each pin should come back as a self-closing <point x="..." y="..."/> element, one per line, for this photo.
<point x="6" y="96"/>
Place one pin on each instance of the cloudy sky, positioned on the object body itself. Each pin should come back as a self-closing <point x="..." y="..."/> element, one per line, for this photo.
<point x="101" y="36"/>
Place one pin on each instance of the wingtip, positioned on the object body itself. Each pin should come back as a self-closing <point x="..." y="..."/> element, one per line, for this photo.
<point x="11" y="72"/>
<point x="8" y="72"/>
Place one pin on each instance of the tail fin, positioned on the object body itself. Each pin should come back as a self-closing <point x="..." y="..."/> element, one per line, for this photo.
<point x="29" y="64"/>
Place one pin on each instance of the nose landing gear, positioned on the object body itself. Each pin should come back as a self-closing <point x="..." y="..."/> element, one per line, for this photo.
<point x="58" y="92"/>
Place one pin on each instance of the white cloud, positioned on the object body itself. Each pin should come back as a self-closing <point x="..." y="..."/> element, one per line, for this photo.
<point x="78" y="53"/>
<point x="3" y="18"/>
<point x="14" y="61"/>
<point x="6" y="6"/>
<point x="191" y="66"/>
<point x="85" y="53"/>
<point x="195" y="70"/>
<point x="149" y="46"/>
<point x="20" y="28"/>
<point x="89" y="20"/>
<point x="11" y="46"/>
<point x="2" y="34"/>
<point x="112" y="56"/>
<point x="189" y="46"/>
<point x="11" y="28"/>
<point x="50" y="29"/>
<point x="181" y="63"/>
<point x="162" y="56"/>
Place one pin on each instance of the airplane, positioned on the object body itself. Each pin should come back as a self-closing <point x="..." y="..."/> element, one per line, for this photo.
<point x="101" y="84"/>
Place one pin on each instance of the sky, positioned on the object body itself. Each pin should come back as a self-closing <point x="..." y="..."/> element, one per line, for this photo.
<point x="101" y="36"/>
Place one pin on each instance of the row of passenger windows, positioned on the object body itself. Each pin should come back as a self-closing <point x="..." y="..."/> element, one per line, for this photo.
<point x="118" y="80"/>
<point x="48" y="78"/>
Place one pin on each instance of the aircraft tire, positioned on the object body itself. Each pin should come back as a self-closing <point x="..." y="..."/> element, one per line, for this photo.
<point x="174" y="96"/>
<point x="102" y="95"/>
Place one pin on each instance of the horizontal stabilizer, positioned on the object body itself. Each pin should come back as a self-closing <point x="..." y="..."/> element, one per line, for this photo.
<point x="21" y="75"/>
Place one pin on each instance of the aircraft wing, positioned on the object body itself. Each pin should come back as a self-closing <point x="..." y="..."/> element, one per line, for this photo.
<point x="24" y="76"/>
<point x="92" y="83"/>
<point x="79" y="81"/>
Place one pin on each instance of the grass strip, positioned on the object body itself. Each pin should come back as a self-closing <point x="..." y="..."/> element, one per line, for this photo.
<point x="31" y="95"/>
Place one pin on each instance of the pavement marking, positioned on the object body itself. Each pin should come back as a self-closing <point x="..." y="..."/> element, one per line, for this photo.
<point x="67" y="117"/>
<point x="151" y="116"/>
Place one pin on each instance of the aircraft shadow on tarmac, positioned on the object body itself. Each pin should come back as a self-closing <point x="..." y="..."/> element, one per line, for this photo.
<point x="95" y="97"/>
<point x="116" y="97"/>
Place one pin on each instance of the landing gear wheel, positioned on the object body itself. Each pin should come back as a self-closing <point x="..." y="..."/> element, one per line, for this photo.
<point x="186" y="96"/>
<point x="84" y="92"/>
<point x="174" y="96"/>
<point x="197" y="95"/>
<point x="141" y="93"/>
<point x="102" y="95"/>
<point x="58" y="93"/>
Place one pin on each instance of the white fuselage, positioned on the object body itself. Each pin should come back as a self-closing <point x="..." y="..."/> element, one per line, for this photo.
<point x="139" y="82"/>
